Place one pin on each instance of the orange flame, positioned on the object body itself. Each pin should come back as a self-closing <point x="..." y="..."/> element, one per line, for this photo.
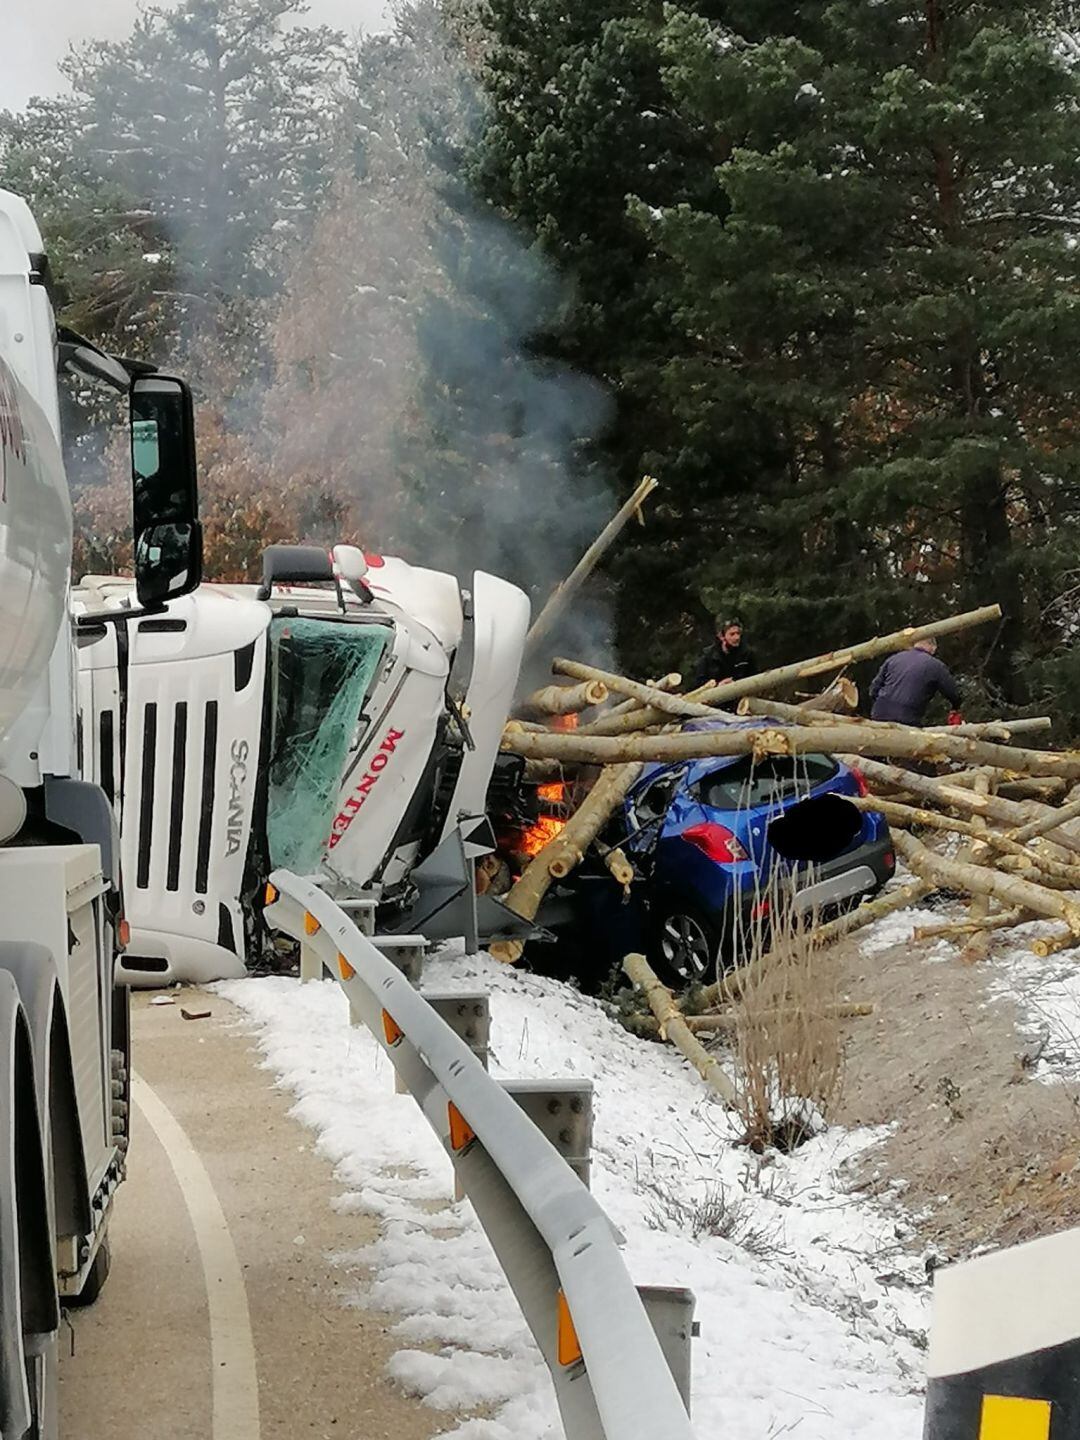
<point x="547" y="827"/>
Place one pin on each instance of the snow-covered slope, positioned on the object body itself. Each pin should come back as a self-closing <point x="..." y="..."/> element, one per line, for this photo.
<point x="809" y="1311"/>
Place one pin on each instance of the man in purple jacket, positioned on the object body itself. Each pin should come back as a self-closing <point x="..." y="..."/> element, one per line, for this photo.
<point x="908" y="681"/>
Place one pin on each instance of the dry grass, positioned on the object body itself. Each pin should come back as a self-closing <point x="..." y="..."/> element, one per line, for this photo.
<point x="713" y="1214"/>
<point x="788" y="1051"/>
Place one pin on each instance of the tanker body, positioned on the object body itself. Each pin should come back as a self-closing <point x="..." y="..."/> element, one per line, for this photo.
<point x="63" y="1023"/>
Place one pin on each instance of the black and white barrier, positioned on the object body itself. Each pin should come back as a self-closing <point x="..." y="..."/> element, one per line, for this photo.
<point x="1004" y="1359"/>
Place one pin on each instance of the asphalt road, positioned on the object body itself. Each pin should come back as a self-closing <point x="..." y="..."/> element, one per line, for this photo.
<point x="223" y="1318"/>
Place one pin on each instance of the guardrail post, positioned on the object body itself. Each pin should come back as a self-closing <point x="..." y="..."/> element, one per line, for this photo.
<point x="406" y="952"/>
<point x="468" y="1014"/>
<point x="361" y="912"/>
<point x="311" y="967"/>
<point x="670" y="1309"/>
<point x="1004" y="1344"/>
<point x="562" y="1111"/>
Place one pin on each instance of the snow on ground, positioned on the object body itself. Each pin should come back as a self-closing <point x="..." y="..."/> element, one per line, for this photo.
<point x="1047" y="990"/>
<point x="808" y="1309"/>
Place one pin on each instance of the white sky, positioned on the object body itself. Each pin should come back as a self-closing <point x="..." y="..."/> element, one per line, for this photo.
<point x="35" y="34"/>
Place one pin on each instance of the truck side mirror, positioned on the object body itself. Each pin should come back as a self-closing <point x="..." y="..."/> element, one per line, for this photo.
<point x="168" y="536"/>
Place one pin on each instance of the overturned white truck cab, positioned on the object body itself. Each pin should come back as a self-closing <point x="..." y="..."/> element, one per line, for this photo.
<point x="342" y="719"/>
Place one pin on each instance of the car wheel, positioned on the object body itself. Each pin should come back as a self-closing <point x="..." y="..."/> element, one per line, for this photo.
<point x="686" y="945"/>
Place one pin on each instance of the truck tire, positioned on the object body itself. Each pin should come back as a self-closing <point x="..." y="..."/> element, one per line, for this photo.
<point x="95" y="1278"/>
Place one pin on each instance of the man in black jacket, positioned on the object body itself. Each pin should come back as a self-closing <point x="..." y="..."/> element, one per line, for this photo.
<point x="908" y="681"/>
<point x="727" y="658"/>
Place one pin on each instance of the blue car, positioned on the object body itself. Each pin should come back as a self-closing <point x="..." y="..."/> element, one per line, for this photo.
<point x="716" y="839"/>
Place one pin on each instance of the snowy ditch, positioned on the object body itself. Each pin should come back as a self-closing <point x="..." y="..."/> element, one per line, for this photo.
<point x="811" y="1308"/>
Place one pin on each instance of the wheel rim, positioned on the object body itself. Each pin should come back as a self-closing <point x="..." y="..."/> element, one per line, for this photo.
<point x="685" y="946"/>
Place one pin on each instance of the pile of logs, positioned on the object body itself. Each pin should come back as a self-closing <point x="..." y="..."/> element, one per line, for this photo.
<point x="993" y="824"/>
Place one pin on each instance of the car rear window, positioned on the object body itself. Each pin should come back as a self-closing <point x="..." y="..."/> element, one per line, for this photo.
<point x="772" y="780"/>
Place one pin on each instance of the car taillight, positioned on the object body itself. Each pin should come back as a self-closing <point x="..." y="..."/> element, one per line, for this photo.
<point x="717" y="842"/>
<point x="860" y="781"/>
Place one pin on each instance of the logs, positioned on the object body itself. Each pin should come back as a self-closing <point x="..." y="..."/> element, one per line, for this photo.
<point x="956" y="797"/>
<point x="954" y="929"/>
<point x="909" y="815"/>
<point x="564" y="851"/>
<point x="564" y="593"/>
<point x="841" y="695"/>
<point x="673" y="1027"/>
<point x="622" y="872"/>
<point x="668" y="683"/>
<point x="644" y="694"/>
<point x="769" y="680"/>
<point x="729" y="1019"/>
<point x="1011" y="890"/>
<point x="564" y="699"/>
<point x="900" y="741"/>
<point x="1047" y="824"/>
<point x="805" y="715"/>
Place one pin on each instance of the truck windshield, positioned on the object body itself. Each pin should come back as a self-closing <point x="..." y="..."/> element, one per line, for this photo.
<point x="322" y="671"/>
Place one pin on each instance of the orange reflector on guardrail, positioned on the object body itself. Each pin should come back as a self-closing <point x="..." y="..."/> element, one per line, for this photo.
<point x="393" y="1032"/>
<point x="271" y="893"/>
<point x="567" y="1345"/>
<point x="461" y="1132"/>
<point x="311" y="925"/>
<point x="344" y="968"/>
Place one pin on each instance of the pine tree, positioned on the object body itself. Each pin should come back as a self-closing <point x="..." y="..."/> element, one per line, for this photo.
<point x="216" y="116"/>
<point x="885" y="282"/>
<point x="839" y="299"/>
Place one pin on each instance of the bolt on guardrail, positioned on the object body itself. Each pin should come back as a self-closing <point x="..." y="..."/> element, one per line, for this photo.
<point x="555" y="1244"/>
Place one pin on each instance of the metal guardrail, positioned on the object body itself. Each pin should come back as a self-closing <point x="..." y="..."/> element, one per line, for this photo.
<point x="557" y="1247"/>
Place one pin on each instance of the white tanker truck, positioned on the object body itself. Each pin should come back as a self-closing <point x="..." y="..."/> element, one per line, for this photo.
<point x="63" y="1023"/>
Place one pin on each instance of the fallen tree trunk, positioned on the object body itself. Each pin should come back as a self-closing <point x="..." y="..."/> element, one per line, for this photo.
<point x="734" y="981"/>
<point x="729" y="1019"/>
<point x="565" y="592"/>
<point x="978" y="943"/>
<point x="546" y="772"/>
<point x="564" y="699"/>
<point x="1011" y="890"/>
<point x="1047" y="824"/>
<point x="1041" y="787"/>
<point x="622" y="872"/>
<point x="1048" y="945"/>
<point x="955" y="797"/>
<point x="673" y="1027"/>
<point x="804" y="715"/>
<point x="841" y="695"/>
<point x="767" y="680"/>
<point x="564" y="851"/>
<point x="644" y="694"/>
<point x="851" y="738"/>
<point x="668" y="683"/>
<point x="975" y="829"/>
<point x="956" y="928"/>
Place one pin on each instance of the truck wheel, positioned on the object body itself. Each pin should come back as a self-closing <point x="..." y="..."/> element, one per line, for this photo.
<point x="95" y="1278"/>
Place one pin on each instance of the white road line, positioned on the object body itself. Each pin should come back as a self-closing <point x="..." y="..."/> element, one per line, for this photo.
<point x="232" y="1346"/>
